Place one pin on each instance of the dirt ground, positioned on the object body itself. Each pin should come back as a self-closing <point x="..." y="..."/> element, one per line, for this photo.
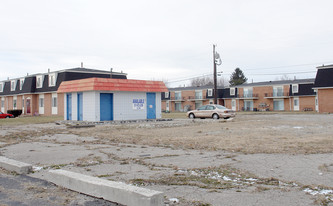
<point x="253" y="159"/>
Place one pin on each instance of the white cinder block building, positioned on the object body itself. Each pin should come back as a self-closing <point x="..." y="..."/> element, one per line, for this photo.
<point x="101" y="99"/>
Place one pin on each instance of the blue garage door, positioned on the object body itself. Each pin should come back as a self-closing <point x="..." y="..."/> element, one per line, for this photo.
<point x="106" y="106"/>
<point x="151" y="106"/>
<point x="79" y="106"/>
<point x="69" y="106"/>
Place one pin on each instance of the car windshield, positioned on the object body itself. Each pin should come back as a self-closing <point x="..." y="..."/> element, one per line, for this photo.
<point x="220" y="107"/>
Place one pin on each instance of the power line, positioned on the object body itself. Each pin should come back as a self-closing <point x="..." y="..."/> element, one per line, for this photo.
<point x="204" y="75"/>
<point x="287" y="73"/>
<point x="288" y="66"/>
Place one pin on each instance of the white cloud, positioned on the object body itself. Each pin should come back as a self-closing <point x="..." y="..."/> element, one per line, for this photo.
<point x="163" y="39"/>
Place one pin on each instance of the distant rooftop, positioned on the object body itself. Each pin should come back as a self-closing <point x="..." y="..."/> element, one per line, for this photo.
<point x="330" y="66"/>
<point x="194" y="88"/>
<point x="279" y="82"/>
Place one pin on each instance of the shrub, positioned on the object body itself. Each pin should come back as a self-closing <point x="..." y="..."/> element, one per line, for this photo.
<point x="15" y="112"/>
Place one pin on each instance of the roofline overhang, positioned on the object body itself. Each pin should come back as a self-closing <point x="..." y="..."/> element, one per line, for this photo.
<point x="316" y="88"/>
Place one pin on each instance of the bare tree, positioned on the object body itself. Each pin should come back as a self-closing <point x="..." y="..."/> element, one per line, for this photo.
<point x="208" y="81"/>
<point x="283" y="77"/>
<point x="202" y="81"/>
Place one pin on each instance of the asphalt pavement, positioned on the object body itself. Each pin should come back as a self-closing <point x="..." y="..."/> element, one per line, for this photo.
<point x="22" y="190"/>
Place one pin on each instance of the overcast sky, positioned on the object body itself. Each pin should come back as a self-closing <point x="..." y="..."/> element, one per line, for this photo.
<point x="167" y="40"/>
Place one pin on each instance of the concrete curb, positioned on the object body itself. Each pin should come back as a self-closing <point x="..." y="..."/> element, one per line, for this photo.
<point x="109" y="190"/>
<point x="16" y="166"/>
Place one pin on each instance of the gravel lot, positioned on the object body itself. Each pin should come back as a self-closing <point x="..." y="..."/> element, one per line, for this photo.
<point x="253" y="159"/>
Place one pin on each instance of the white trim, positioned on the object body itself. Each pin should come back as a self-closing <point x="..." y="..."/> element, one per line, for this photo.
<point x="41" y="103"/>
<point x="39" y="84"/>
<point x="296" y="106"/>
<point x="54" y="107"/>
<point x="210" y="92"/>
<point x="233" y="104"/>
<point x="13" y="85"/>
<point x="232" y="91"/>
<point x="166" y="95"/>
<point x="21" y="83"/>
<point x="54" y="77"/>
<point x="294" y="90"/>
<point x="2" y="86"/>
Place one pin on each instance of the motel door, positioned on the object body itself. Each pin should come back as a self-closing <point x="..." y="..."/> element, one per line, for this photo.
<point x="79" y="106"/>
<point x="28" y="105"/>
<point x="233" y="104"/>
<point x="69" y="106"/>
<point x="151" y="106"/>
<point x="106" y="106"/>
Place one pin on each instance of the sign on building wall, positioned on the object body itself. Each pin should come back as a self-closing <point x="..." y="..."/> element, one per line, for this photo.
<point x="138" y="104"/>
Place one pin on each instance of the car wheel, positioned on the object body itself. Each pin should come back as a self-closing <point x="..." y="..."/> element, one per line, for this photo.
<point x="7" y="116"/>
<point x="215" y="116"/>
<point x="191" y="116"/>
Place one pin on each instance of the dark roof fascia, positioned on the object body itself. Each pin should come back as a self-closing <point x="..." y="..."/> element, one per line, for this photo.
<point x="94" y="71"/>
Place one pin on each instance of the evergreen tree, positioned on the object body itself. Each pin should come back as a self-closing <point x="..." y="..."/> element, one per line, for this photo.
<point x="237" y="77"/>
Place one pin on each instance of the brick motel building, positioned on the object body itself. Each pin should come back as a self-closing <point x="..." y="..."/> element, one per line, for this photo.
<point x="287" y="95"/>
<point x="37" y="94"/>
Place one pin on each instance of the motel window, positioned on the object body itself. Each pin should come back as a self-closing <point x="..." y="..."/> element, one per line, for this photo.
<point x="210" y="92"/>
<point x="21" y="83"/>
<point x="278" y="91"/>
<point x="2" y="103"/>
<point x="52" y="79"/>
<point x="232" y="91"/>
<point x="178" y="95"/>
<point x="39" y="81"/>
<point x="198" y="94"/>
<point x="295" y="88"/>
<point x="14" y="103"/>
<point x="54" y="101"/>
<point x="166" y="95"/>
<point x="12" y="85"/>
<point x="296" y="102"/>
<point x="1" y="86"/>
<point x="22" y="102"/>
<point x="41" y="102"/>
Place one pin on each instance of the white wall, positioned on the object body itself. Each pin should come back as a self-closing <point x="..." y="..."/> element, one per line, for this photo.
<point x="90" y="106"/>
<point x="123" y="106"/>
<point x="65" y="106"/>
<point x="74" y="106"/>
<point x="158" y="105"/>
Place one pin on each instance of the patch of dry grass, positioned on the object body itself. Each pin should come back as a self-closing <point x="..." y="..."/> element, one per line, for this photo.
<point x="174" y="115"/>
<point x="293" y="134"/>
<point x="29" y="120"/>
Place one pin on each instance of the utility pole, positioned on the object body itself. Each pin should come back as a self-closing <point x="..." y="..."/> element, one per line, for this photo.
<point x="215" y="76"/>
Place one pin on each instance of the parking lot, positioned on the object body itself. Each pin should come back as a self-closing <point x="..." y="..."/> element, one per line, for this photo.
<point x="253" y="159"/>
